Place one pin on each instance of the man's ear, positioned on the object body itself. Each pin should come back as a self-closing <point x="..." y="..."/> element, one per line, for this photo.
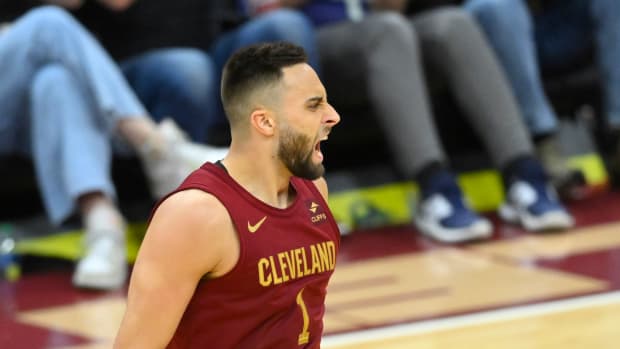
<point x="262" y="120"/>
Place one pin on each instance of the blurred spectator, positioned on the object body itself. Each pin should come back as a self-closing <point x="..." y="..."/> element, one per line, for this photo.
<point x="183" y="82"/>
<point x="554" y="37"/>
<point x="372" y="45"/>
<point x="154" y="43"/>
<point x="157" y="46"/>
<point x="165" y="49"/>
<point x="62" y="100"/>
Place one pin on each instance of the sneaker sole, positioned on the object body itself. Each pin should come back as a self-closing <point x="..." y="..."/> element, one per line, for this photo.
<point x="547" y="222"/>
<point x="480" y="231"/>
<point x="100" y="282"/>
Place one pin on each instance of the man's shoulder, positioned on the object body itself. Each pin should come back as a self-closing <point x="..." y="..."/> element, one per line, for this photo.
<point x="194" y="204"/>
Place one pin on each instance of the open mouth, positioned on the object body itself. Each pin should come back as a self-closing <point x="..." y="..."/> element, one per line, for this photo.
<point x="317" y="149"/>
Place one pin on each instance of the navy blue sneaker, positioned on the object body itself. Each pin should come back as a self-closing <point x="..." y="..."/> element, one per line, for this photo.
<point x="443" y="215"/>
<point x="532" y="202"/>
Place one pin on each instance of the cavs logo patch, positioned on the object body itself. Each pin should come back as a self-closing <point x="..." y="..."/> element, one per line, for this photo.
<point x="316" y="212"/>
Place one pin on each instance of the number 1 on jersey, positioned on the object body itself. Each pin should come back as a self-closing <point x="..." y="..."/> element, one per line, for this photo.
<point x="304" y="336"/>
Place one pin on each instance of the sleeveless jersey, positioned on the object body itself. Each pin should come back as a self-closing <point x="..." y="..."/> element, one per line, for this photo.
<point x="274" y="297"/>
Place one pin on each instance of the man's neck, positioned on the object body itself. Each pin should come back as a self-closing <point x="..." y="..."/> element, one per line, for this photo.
<point x="263" y="177"/>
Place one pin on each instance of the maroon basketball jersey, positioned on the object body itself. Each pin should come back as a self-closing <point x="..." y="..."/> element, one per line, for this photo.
<point x="274" y="296"/>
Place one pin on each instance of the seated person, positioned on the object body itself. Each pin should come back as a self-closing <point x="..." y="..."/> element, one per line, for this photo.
<point x="373" y="45"/>
<point x="62" y="100"/>
<point x="554" y="36"/>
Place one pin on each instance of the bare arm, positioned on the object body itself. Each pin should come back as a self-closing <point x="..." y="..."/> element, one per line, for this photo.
<point x="179" y="248"/>
<point x="115" y="5"/>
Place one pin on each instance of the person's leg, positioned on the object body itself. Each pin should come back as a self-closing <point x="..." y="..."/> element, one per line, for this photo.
<point x="509" y="29"/>
<point x="71" y="154"/>
<point x="388" y="65"/>
<point x="175" y="82"/>
<point x="606" y="32"/>
<point x="50" y="35"/>
<point x="516" y="37"/>
<point x="563" y="35"/>
<point x="454" y="45"/>
<point x="605" y="18"/>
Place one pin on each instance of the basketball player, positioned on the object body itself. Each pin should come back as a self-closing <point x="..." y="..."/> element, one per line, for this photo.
<point x="240" y="255"/>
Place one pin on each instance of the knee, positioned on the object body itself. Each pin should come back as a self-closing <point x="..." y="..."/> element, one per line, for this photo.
<point x="392" y="26"/>
<point x="50" y="27"/>
<point x="50" y="18"/>
<point x="502" y="11"/>
<point x="447" y="24"/>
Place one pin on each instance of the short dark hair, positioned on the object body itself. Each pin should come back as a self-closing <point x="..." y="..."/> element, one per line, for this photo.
<point x="253" y="67"/>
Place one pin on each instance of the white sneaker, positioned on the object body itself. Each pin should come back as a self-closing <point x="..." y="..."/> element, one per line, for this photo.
<point x="104" y="265"/>
<point x="168" y="168"/>
<point x="450" y="222"/>
<point x="535" y="207"/>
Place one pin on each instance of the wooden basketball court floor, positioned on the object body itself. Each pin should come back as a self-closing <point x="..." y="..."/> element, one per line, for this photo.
<point x="394" y="289"/>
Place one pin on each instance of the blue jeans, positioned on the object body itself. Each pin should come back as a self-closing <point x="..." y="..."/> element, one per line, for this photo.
<point x="277" y="25"/>
<point x="61" y="97"/>
<point x="552" y="40"/>
<point x="175" y="82"/>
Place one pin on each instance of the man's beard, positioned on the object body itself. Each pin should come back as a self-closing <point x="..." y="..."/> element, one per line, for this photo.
<point x="293" y="152"/>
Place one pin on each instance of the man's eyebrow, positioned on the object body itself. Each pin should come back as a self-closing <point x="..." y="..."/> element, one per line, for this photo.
<point x="316" y="99"/>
